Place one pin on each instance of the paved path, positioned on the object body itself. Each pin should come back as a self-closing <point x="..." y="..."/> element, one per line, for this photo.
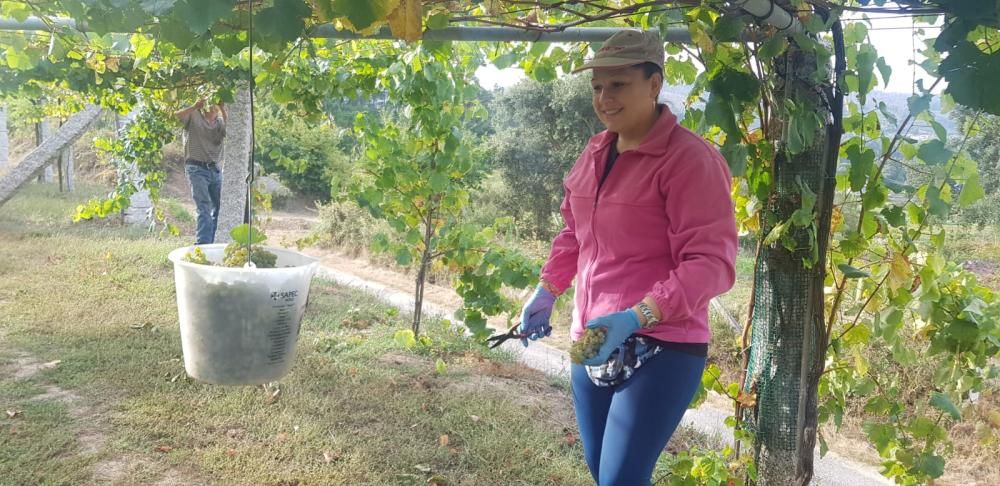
<point x="831" y="470"/>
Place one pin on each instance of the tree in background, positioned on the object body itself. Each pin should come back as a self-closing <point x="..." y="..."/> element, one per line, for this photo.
<point x="307" y="157"/>
<point x="539" y="130"/>
<point x="984" y="148"/>
<point x="416" y="172"/>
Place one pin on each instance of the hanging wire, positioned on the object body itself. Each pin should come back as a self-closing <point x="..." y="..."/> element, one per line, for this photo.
<point x="250" y="171"/>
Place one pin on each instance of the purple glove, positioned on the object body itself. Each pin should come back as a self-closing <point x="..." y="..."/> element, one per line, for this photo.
<point x="620" y="326"/>
<point x="535" y="316"/>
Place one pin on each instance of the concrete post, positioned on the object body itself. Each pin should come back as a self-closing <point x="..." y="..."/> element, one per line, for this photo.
<point x="34" y="162"/>
<point x="4" y="139"/>
<point x="140" y="208"/>
<point x="235" y="158"/>
<point x="66" y="163"/>
<point x="43" y="130"/>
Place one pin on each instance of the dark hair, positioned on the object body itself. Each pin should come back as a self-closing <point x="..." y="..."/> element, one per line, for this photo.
<point x="649" y="69"/>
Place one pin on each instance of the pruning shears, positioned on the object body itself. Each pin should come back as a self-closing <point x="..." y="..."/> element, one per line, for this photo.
<point x="512" y="333"/>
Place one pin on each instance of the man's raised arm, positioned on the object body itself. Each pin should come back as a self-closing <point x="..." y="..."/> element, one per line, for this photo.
<point x="183" y="113"/>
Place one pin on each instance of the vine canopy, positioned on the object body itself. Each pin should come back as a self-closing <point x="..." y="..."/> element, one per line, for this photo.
<point x="145" y="43"/>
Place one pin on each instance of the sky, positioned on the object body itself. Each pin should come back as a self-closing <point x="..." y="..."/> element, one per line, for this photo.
<point x="892" y="36"/>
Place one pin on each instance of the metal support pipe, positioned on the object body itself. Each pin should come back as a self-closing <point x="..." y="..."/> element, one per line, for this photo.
<point x="503" y="34"/>
<point x="764" y="10"/>
<point x="35" y="23"/>
<point x="462" y="33"/>
<point x="768" y="13"/>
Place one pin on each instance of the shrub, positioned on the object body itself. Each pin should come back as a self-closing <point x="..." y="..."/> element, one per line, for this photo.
<point x="346" y="226"/>
<point x="306" y="157"/>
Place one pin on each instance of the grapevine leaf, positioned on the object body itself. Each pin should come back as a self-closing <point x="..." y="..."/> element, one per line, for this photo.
<point x="866" y="67"/>
<point x="972" y="191"/>
<point x="157" y="7"/>
<point x="241" y="234"/>
<point x="363" y="13"/>
<point x="919" y="103"/>
<point x="862" y="160"/>
<point x="142" y="46"/>
<point x="281" y="23"/>
<point x="884" y="70"/>
<point x="881" y="435"/>
<point x="965" y="70"/>
<point x="405" y="21"/>
<point x="728" y="28"/>
<point x="405" y="338"/>
<point x="851" y="272"/>
<point x="200" y="15"/>
<point x="772" y="47"/>
<point x="934" y="153"/>
<point x="930" y="464"/>
<point x="941" y="402"/>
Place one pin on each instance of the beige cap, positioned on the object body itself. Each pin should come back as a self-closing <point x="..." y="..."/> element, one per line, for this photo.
<point x="627" y="48"/>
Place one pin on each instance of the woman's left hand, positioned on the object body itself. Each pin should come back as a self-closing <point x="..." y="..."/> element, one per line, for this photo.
<point x="620" y="326"/>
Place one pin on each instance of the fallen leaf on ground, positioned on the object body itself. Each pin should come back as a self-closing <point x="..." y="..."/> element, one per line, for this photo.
<point x="995" y="418"/>
<point x="281" y="437"/>
<point x="329" y="457"/>
<point x="14" y="413"/>
<point x="475" y="418"/>
<point x="422" y="468"/>
<point x="231" y="453"/>
<point x="443" y="440"/>
<point x="437" y="481"/>
<point x="164" y="448"/>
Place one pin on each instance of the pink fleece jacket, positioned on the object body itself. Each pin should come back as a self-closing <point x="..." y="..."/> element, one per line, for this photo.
<point x="662" y="225"/>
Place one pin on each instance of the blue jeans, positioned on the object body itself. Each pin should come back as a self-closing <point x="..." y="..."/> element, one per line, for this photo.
<point x="624" y="428"/>
<point x="206" y="189"/>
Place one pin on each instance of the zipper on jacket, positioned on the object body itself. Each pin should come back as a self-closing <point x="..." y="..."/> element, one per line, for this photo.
<point x="593" y="232"/>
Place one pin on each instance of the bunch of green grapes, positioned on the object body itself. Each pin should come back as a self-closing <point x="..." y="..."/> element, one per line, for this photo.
<point x="587" y="346"/>
<point x="197" y="256"/>
<point x="235" y="255"/>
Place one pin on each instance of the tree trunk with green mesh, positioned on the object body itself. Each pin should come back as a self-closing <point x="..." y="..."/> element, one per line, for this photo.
<point x="787" y="340"/>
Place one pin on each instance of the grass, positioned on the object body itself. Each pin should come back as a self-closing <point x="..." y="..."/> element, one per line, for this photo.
<point x="177" y="212"/>
<point x="357" y="408"/>
<point x="978" y="248"/>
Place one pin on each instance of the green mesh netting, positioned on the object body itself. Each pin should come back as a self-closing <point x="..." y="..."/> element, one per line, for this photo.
<point x="782" y="290"/>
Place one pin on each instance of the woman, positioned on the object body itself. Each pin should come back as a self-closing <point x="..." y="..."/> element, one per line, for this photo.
<point x="650" y="237"/>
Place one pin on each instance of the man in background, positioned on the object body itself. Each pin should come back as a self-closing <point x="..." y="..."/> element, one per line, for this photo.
<point x="204" y="133"/>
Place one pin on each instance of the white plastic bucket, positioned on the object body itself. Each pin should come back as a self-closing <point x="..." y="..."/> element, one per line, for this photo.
<point x="239" y="326"/>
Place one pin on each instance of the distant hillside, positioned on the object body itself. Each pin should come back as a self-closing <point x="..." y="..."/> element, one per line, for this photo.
<point x="896" y="103"/>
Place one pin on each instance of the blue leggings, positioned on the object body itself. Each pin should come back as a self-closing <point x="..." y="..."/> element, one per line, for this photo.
<point x="624" y="428"/>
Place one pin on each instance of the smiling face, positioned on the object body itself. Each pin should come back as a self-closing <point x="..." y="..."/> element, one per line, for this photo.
<point x="624" y="98"/>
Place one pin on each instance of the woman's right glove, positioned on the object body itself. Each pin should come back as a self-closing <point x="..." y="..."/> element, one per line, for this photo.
<point x="535" y="316"/>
